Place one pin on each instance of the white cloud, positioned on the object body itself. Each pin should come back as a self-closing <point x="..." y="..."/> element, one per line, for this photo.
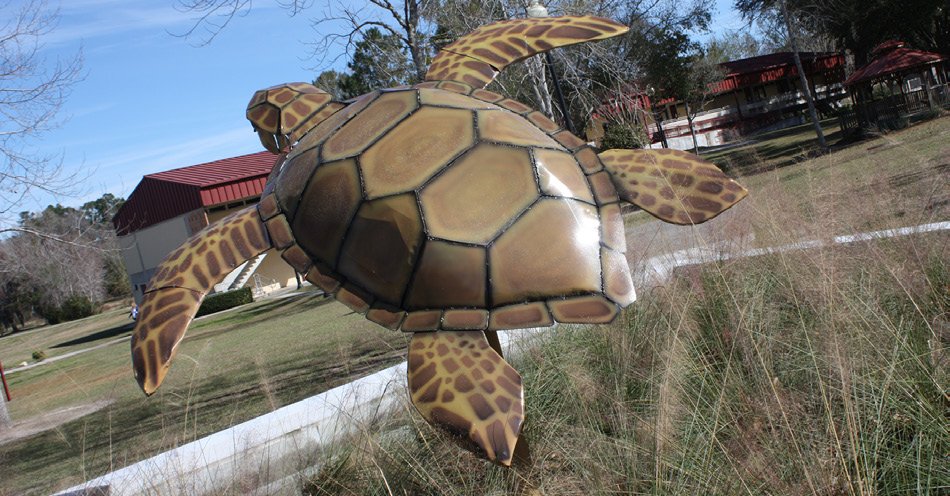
<point x="101" y="18"/>
<point x="87" y="19"/>
<point x="119" y="172"/>
<point x="140" y="160"/>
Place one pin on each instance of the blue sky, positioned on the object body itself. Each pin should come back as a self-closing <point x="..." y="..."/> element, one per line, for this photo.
<point x="151" y="101"/>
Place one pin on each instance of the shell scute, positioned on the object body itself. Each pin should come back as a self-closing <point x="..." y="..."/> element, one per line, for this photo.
<point x="593" y="309"/>
<point x="552" y="250"/>
<point x="506" y="127"/>
<point x="388" y="109"/>
<point x="322" y="277"/>
<point x="332" y="198"/>
<point x="382" y="246"/>
<point x="560" y="175"/>
<point x="449" y="275"/>
<point x="289" y="185"/>
<point x="453" y="100"/>
<point x="534" y="314"/>
<point x="479" y="194"/>
<point x="414" y="150"/>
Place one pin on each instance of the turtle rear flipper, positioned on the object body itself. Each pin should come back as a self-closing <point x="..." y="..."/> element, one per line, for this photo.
<point x="181" y="281"/>
<point x="476" y="58"/>
<point x="459" y="383"/>
<point x="672" y="185"/>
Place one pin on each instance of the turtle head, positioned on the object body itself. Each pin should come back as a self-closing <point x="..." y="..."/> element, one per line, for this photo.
<point x="282" y="114"/>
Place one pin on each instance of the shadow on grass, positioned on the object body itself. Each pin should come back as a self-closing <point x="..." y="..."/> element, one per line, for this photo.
<point x="311" y="302"/>
<point x="96" y="336"/>
<point x="775" y="149"/>
<point x="134" y="429"/>
<point x="284" y="306"/>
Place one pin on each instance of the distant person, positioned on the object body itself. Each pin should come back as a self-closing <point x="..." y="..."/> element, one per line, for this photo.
<point x="134" y="312"/>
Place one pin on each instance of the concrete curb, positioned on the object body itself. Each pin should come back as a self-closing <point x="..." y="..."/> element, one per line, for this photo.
<point x="657" y="269"/>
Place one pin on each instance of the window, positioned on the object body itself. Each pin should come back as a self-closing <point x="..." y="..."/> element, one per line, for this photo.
<point x="783" y="86"/>
<point x="755" y="94"/>
<point x="914" y="83"/>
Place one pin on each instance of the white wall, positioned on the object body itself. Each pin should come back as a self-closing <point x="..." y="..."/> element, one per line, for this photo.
<point x="144" y="249"/>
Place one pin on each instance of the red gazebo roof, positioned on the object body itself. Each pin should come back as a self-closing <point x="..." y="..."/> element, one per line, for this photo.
<point x="165" y="195"/>
<point x="892" y="57"/>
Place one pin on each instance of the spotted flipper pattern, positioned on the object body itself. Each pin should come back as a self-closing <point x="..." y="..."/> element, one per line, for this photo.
<point x="476" y="58"/>
<point x="672" y="185"/>
<point x="459" y="383"/>
<point x="282" y="114"/>
<point x="181" y="282"/>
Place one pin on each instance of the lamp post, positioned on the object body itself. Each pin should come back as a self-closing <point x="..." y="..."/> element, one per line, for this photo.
<point x="536" y="10"/>
<point x="656" y="117"/>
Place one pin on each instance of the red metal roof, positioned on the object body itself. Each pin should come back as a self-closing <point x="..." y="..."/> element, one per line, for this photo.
<point x="892" y="57"/>
<point x="165" y="195"/>
<point x="775" y="66"/>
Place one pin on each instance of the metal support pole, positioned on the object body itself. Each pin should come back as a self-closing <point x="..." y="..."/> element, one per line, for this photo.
<point x="537" y="11"/>
<point x="659" y="127"/>
<point x="560" y="96"/>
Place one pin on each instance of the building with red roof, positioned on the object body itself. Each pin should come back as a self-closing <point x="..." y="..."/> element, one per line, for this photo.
<point x="166" y="208"/>
<point x="756" y="93"/>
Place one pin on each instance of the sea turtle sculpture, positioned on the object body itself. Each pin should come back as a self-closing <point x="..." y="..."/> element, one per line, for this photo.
<point x="444" y="210"/>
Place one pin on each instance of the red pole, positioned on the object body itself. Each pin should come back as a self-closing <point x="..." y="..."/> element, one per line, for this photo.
<point x="6" y="389"/>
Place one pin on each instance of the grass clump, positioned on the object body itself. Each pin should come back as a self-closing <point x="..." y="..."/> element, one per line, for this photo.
<point x="817" y="372"/>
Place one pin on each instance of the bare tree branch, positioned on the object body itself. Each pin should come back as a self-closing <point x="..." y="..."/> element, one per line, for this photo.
<point x="213" y="16"/>
<point x="32" y="93"/>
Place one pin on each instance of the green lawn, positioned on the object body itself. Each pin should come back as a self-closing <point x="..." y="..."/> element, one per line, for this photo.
<point x="231" y="367"/>
<point x="775" y="149"/>
<point x="897" y="180"/>
<point x="64" y="338"/>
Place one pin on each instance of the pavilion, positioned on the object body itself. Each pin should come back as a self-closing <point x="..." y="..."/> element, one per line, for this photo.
<point x="898" y="81"/>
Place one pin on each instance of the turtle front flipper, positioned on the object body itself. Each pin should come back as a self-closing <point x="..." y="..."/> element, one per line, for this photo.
<point x="282" y="114"/>
<point x="459" y="383"/>
<point x="181" y="281"/>
<point x="476" y="58"/>
<point x="672" y="185"/>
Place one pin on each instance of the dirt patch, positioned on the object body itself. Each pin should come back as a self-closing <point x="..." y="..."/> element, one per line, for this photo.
<point x="47" y="421"/>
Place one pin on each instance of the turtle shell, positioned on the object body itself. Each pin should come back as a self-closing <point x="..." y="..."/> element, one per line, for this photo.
<point x="442" y="207"/>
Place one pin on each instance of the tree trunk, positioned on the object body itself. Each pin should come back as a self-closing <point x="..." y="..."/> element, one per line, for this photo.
<point x="416" y="51"/>
<point x="539" y="85"/>
<point x="793" y="41"/>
